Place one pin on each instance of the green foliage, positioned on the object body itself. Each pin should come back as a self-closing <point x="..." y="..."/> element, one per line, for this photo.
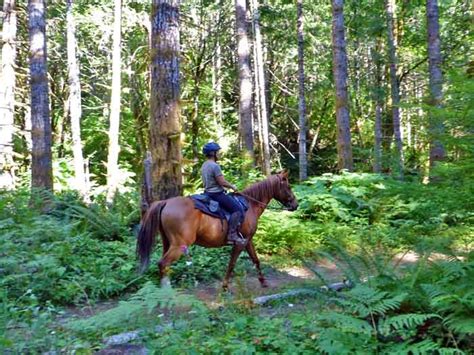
<point x="79" y="254"/>
<point x="138" y="311"/>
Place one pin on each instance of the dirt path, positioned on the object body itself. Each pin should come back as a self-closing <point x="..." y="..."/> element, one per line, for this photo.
<point x="278" y="279"/>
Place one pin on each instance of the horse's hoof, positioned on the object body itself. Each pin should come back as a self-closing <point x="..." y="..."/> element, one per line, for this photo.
<point x="165" y="282"/>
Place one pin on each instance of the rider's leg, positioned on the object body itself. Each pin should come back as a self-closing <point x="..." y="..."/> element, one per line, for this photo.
<point x="236" y="219"/>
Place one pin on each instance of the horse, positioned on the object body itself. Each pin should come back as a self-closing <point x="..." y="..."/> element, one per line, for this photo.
<point x="181" y="225"/>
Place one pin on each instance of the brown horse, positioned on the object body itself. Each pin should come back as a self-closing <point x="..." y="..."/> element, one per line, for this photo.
<point x="181" y="225"/>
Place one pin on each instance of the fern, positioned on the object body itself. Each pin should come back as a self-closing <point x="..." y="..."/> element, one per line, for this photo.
<point x="365" y="301"/>
<point x="138" y="309"/>
<point x="423" y="347"/>
<point x="404" y="321"/>
<point x="345" y="323"/>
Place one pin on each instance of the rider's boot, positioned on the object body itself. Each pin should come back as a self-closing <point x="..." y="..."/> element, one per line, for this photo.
<point x="234" y="237"/>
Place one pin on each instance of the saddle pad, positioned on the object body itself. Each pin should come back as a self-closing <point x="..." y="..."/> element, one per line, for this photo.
<point x="210" y="207"/>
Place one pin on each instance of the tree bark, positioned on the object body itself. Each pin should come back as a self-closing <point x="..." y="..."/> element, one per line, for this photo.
<point x="165" y="129"/>
<point x="114" y="124"/>
<point x="7" y="95"/>
<point x="437" y="151"/>
<point x="260" y="68"/>
<point x="75" y="109"/>
<point x="303" y="168"/>
<point x="245" y="78"/>
<point x="378" y="133"/>
<point x="394" y="87"/>
<point x="41" y="157"/>
<point x="344" y="146"/>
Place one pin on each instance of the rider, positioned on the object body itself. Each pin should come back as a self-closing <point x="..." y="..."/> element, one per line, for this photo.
<point x="214" y="183"/>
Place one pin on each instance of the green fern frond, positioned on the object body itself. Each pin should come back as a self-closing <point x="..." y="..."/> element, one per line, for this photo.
<point x="137" y="309"/>
<point x="432" y="290"/>
<point x="345" y="322"/>
<point x="460" y="323"/>
<point x="390" y="304"/>
<point x="424" y="347"/>
<point x="404" y="321"/>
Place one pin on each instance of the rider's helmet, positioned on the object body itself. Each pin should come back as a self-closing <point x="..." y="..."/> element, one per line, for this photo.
<point x="210" y="148"/>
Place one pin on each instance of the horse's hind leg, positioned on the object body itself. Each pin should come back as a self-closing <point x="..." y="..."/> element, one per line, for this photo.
<point x="236" y="250"/>
<point x="253" y="255"/>
<point x="173" y="254"/>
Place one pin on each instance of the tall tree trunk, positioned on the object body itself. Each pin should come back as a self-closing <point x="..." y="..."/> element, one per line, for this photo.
<point x="7" y="95"/>
<point x="260" y="68"/>
<point x="394" y="85"/>
<point x="165" y="130"/>
<point x="437" y="151"/>
<point x="114" y="121"/>
<point x="302" y="102"/>
<point x="75" y="109"/>
<point x="217" y="80"/>
<point x="245" y="78"/>
<point x="41" y="157"/>
<point x="344" y="146"/>
<point x="378" y="133"/>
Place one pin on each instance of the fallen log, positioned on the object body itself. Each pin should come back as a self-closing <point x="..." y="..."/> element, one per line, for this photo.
<point x="337" y="286"/>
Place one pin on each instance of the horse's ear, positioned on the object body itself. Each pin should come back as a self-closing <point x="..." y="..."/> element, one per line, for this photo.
<point x="284" y="174"/>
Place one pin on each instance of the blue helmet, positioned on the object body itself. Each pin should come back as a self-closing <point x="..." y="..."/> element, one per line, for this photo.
<point x="210" y="147"/>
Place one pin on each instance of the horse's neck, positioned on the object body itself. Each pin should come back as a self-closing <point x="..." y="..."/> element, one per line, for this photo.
<point x="261" y="203"/>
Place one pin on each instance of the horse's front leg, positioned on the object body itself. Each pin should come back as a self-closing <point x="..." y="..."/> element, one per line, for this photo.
<point x="236" y="250"/>
<point x="253" y="255"/>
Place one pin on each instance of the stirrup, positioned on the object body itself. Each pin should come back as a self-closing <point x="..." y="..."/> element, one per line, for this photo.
<point x="241" y="241"/>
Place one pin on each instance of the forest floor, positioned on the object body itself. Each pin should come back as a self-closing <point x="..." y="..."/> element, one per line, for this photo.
<point x="243" y="289"/>
<point x="279" y="279"/>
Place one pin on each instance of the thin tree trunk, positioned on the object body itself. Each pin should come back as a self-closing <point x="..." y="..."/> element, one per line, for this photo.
<point x="217" y="85"/>
<point x="114" y="124"/>
<point x="378" y="133"/>
<point x="165" y="130"/>
<point x="41" y="157"/>
<point x="303" y="168"/>
<point x="395" y="89"/>
<point x="7" y="95"/>
<point x="245" y="78"/>
<point x="75" y="109"/>
<point x="344" y="146"/>
<point x="260" y="68"/>
<point x="437" y="151"/>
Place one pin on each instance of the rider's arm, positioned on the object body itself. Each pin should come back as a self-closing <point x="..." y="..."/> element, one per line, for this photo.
<point x="224" y="183"/>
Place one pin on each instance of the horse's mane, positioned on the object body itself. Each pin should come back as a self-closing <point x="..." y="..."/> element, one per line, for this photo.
<point x="262" y="190"/>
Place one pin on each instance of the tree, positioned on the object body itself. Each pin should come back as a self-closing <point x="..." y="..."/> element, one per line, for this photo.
<point x="301" y="94"/>
<point x="377" y="94"/>
<point x="41" y="157"/>
<point x="165" y="130"/>
<point x="260" y="83"/>
<point x="344" y="146"/>
<point x="245" y="78"/>
<point x="7" y="95"/>
<point x="394" y="86"/>
<point x="75" y="108"/>
<point x="437" y="151"/>
<point x="114" y="124"/>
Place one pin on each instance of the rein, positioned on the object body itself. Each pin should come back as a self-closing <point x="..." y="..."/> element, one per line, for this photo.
<point x="251" y="198"/>
<point x="257" y="201"/>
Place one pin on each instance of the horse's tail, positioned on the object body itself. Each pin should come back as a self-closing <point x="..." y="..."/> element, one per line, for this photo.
<point x="151" y="224"/>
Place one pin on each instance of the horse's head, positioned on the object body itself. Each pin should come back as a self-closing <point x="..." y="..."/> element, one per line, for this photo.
<point x="283" y="193"/>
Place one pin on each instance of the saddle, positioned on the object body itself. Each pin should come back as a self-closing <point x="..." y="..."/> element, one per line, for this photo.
<point x="212" y="208"/>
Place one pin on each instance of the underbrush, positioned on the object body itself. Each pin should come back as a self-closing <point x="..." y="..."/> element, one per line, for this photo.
<point x="344" y="209"/>
<point x="78" y="254"/>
